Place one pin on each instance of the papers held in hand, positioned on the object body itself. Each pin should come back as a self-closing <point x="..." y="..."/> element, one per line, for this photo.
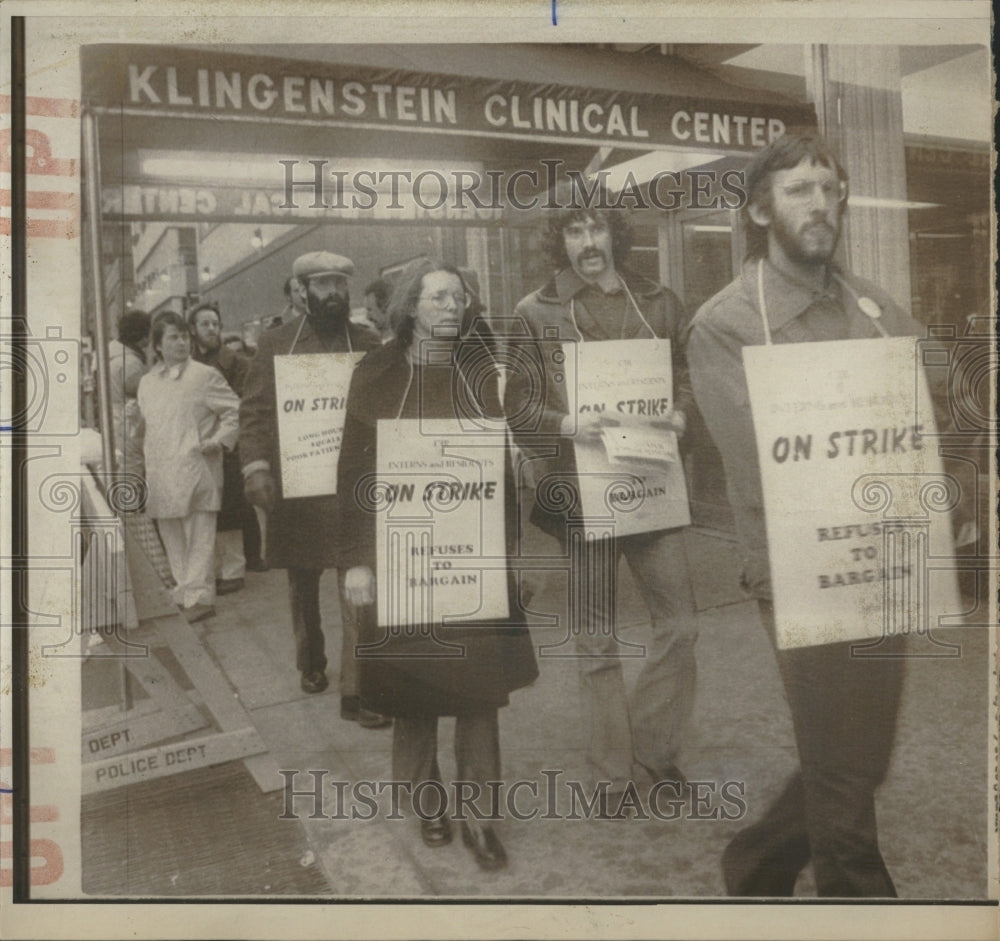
<point x="629" y="444"/>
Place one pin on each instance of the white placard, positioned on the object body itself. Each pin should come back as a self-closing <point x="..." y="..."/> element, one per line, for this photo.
<point x="627" y="475"/>
<point x="311" y="395"/>
<point x="440" y="539"/>
<point x="854" y="490"/>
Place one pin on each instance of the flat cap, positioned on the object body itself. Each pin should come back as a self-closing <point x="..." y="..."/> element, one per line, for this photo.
<point x="314" y="263"/>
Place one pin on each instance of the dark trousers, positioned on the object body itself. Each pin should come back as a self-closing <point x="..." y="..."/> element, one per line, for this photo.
<point x="251" y="536"/>
<point x="844" y="707"/>
<point x="307" y="626"/>
<point x="477" y="754"/>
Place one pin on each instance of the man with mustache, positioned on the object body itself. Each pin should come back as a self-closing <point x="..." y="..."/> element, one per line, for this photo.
<point x="632" y="740"/>
<point x="843" y="708"/>
<point x="301" y="532"/>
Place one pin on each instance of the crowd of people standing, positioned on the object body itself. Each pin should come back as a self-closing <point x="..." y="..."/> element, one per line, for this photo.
<point x="201" y="420"/>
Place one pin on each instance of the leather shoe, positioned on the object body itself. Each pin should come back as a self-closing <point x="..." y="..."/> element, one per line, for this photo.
<point x="256" y="565"/>
<point x="485" y="845"/>
<point x="435" y="831"/>
<point x="226" y="586"/>
<point x="373" y="720"/>
<point x="352" y="710"/>
<point x="314" y="681"/>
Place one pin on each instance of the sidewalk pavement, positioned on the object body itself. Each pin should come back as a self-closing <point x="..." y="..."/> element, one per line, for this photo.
<point x="932" y="809"/>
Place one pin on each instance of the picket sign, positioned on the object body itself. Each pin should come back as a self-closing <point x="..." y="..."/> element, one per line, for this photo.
<point x="311" y="425"/>
<point x="631" y="475"/>
<point x="439" y="500"/>
<point x="856" y="501"/>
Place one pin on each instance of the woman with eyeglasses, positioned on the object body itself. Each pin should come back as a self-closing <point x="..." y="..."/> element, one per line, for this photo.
<point x="432" y="369"/>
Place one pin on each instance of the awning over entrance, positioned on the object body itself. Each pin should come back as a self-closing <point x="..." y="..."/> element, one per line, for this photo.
<point x="453" y="108"/>
<point x="686" y="108"/>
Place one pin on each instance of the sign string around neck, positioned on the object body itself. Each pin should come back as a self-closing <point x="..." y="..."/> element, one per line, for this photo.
<point x="630" y="299"/>
<point x="865" y="304"/>
<point x="298" y="333"/>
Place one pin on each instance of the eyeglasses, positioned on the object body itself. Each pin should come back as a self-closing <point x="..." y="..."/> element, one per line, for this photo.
<point x="440" y="300"/>
<point x="801" y="191"/>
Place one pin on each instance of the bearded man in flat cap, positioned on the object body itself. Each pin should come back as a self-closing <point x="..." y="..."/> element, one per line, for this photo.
<point x="301" y="530"/>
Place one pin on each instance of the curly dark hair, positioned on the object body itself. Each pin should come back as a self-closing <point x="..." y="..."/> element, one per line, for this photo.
<point x="786" y="152"/>
<point x="133" y="328"/>
<point x="558" y="219"/>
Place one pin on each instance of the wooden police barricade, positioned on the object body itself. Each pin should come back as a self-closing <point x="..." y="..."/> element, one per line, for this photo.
<point x="632" y="476"/>
<point x="311" y="391"/>
<point x="855" y="498"/>
<point x="107" y="611"/>
<point x="114" y="740"/>
<point x="439" y="502"/>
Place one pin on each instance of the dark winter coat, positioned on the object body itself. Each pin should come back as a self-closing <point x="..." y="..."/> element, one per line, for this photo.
<point x="301" y="532"/>
<point x="494" y="658"/>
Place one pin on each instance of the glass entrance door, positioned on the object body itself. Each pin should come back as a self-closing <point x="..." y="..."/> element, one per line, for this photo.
<point x="710" y="251"/>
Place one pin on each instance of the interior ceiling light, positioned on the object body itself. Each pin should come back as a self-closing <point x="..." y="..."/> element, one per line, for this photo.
<point x="236" y="168"/>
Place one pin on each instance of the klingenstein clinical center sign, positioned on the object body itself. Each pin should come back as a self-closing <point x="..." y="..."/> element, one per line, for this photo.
<point x="183" y="82"/>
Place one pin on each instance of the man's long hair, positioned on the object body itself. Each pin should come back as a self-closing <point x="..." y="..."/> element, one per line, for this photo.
<point x="558" y="219"/>
<point x="786" y="152"/>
